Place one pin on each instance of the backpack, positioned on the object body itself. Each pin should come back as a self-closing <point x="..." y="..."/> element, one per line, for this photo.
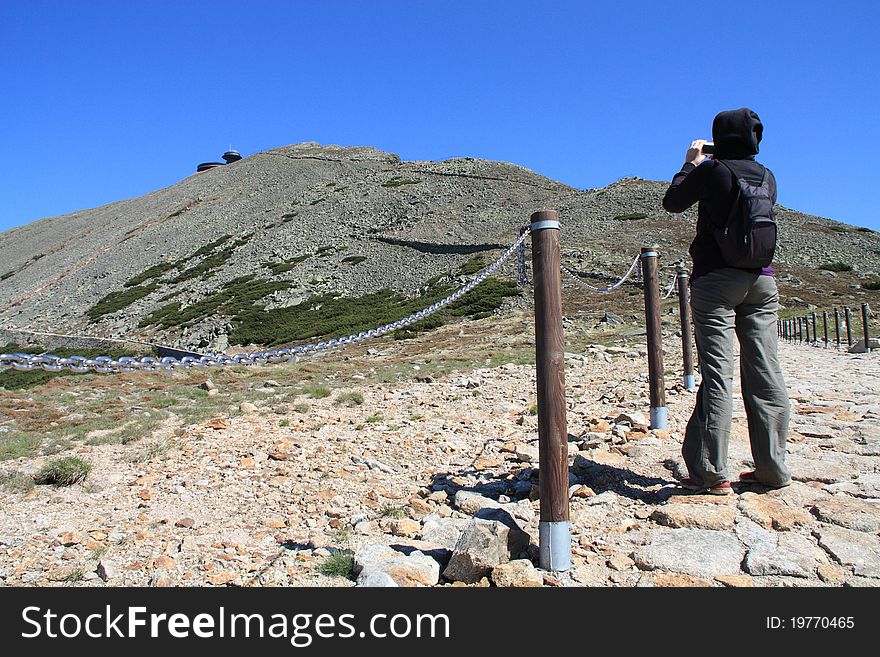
<point x="748" y="239"/>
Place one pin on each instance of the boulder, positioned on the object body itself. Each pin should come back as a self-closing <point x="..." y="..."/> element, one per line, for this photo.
<point x="378" y="565"/>
<point x="484" y="544"/>
<point x="518" y="573"/>
<point x="859" y="347"/>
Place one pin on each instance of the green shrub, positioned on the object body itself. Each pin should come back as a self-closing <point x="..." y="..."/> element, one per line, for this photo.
<point x="873" y="284"/>
<point x="7" y="275"/>
<point x="863" y="229"/>
<point x="278" y="267"/>
<point x="153" y="272"/>
<point x="16" y="482"/>
<point x="15" y="445"/>
<point x="314" y="391"/>
<point x="351" y="398"/>
<point x="472" y="266"/>
<point x="376" y="417"/>
<point x="398" y="181"/>
<point x="208" y="248"/>
<point x="533" y="409"/>
<point x="339" y="564"/>
<point x="65" y="471"/>
<point x="836" y="266"/>
<point x="118" y="300"/>
<point x="326" y="315"/>
<point x="236" y="296"/>
<point x="206" y="267"/>
<point x="392" y="511"/>
<point x="353" y="260"/>
<point x="632" y="216"/>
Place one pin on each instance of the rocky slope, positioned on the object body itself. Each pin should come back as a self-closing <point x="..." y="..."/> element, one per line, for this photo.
<point x="310" y="220"/>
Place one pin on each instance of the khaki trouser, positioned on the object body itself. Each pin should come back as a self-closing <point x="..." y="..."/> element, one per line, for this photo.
<point x="727" y="302"/>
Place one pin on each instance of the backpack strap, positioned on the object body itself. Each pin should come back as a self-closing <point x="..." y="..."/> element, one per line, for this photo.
<point x="736" y="177"/>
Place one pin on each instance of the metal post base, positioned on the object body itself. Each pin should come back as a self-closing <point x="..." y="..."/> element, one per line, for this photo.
<point x="660" y="418"/>
<point x="689" y="383"/>
<point x="554" y="543"/>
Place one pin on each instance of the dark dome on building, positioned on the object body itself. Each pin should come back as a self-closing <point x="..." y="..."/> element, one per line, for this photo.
<point x="230" y="156"/>
<point x="204" y="166"/>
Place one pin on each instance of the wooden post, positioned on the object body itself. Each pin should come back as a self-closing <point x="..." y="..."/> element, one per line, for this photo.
<point x="807" y="330"/>
<point x="687" y="331"/>
<point x="800" y="331"/>
<point x="656" y="385"/>
<point x="848" y="318"/>
<point x="825" y="326"/>
<point x="554" y="528"/>
<point x="815" y="334"/>
<point x="837" y="327"/>
<point x="865" y="325"/>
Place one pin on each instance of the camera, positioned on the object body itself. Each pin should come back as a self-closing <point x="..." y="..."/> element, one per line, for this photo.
<point x="708" y="149"/>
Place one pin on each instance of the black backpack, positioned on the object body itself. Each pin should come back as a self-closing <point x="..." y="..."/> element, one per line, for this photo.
<point x="748" y="239"/>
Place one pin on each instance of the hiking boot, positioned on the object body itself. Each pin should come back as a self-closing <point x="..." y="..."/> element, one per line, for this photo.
<point x="720" y="488"/>
<point x="749" y="477"/>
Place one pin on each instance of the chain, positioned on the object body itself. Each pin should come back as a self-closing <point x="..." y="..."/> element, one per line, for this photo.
<point x="671" y="286"/>
<point x="610" y="288"/>
<point x="106" y="365"/>
<point x="522" y="276"/>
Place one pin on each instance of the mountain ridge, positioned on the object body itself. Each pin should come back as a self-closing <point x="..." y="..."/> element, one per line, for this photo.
<point x="308" y="220"/>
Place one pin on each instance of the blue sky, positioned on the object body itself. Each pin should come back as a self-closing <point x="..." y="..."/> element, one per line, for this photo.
<point x="106" y="100"/>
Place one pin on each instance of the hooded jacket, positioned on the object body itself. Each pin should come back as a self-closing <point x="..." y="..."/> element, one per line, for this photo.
<point x="711" y="185"/>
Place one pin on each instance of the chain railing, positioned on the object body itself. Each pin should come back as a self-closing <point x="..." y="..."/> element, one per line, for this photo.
<point x="106" y="365"/>
<point x="610" y="288"/>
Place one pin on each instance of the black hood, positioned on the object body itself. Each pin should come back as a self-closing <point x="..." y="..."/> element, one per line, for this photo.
<point x="736" y="134"/>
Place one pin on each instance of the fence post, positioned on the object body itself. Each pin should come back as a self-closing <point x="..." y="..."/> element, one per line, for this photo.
<point x="554" y="528"/>
<point x="825" y="326"/>
<point x="656" y="386"/>
<point x="837" y="327"/>
<point x="687" y="331"/>
<point x="865" y="324"/>
<point x="815" y="333"/>
<point x="848" y="318"/>
<point x="807" y="329"/>
<point x="800" y="331"/>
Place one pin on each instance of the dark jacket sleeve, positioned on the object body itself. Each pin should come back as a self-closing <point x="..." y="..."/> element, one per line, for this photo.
<point x="685" y="190"/>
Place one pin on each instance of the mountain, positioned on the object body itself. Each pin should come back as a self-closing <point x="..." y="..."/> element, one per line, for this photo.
<point x="312" y="240"/>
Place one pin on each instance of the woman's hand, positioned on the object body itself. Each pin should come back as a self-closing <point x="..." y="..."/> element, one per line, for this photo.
<point x="695" y="153"/>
